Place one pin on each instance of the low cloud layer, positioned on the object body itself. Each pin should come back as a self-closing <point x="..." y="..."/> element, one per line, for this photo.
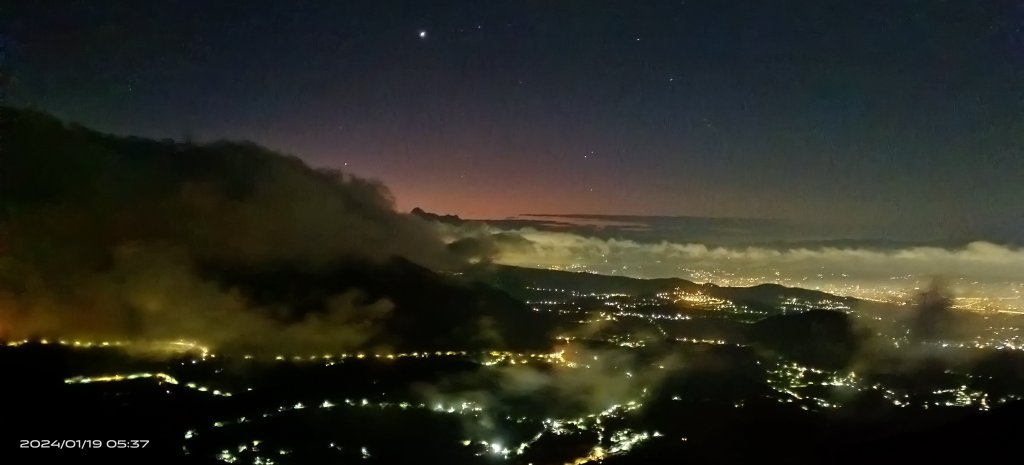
<point x="978" y="269"/>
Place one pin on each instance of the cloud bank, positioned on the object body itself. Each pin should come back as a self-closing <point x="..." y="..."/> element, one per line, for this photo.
<point x="978" y="269"/>
<point x="122" y="237"/>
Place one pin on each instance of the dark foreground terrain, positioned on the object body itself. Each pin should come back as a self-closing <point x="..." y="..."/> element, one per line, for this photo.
<point x="640" y="372"/>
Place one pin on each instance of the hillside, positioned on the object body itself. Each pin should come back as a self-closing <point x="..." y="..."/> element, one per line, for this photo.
<point x="516" y="279"/>
<point x="227" y="242"/>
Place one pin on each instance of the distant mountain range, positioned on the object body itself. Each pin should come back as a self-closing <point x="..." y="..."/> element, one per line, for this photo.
<point x="513" y="279"/>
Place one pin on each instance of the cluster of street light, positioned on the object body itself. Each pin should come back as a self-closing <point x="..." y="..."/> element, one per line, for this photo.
<point x="791" y="382"/>
<point x="161" y="378"/>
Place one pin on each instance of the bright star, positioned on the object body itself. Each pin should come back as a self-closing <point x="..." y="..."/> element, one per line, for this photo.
<point x="423" y="34"/>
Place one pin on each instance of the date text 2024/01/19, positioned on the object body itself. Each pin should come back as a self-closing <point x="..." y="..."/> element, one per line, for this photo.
<point x="83" y="443"/>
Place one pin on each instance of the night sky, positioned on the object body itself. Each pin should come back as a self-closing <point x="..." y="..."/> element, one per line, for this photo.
<point x="906" y="114"/>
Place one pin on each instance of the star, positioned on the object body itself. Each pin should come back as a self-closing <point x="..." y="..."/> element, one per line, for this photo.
<point x="423" y="34"/>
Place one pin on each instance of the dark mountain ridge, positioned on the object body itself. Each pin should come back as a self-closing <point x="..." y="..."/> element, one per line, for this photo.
<point x="127" y="236"/>
<point x="514" y="279"/>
